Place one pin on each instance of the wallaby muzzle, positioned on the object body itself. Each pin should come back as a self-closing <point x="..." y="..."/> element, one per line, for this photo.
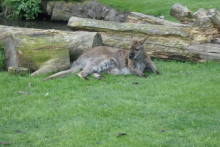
<point x="131" y="55"/>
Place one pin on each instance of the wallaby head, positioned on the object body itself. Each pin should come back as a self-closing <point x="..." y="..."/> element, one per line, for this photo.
<point x="137" y="47"/>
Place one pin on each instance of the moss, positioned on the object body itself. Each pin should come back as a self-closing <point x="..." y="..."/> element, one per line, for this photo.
<point x="44" y="50"/>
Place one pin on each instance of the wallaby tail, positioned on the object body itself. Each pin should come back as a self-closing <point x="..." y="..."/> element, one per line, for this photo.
<point x="58" y="75"/>
<point x="64" y="73"/>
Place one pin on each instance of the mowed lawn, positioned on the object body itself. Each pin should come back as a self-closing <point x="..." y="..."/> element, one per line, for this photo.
<point x="160" y="7"/>
<point x="180" y="107"/>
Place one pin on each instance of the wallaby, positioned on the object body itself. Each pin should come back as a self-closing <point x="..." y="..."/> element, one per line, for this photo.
<point x="103" y="59"/>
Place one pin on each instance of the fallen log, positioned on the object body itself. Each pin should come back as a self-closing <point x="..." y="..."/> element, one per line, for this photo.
<point x="170" y="43"/>
<point x="45" y="51"/>
<point x="214" y="16"/>
<point x="135" y="17"/>
<point x="182" y="13"/>
<point x="76" y="23"/>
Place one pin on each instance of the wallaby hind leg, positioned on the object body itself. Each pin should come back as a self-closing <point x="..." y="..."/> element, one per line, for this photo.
<point x="97" y="66"/>
<point x="88" y="70"/>
<point x="98" y="76"/>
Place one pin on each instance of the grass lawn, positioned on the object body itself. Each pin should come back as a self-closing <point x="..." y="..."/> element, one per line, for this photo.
<point x="180" y="107"/>
<point x="160" y="7"/>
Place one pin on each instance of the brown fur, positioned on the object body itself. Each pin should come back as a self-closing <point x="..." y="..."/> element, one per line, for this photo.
<point x="103" y="59"/>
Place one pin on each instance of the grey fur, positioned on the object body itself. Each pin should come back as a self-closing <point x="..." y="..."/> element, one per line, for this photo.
<point x="103" y="59"/>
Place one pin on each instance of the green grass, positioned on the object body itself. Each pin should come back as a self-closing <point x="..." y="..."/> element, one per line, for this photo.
<point x="180" y="107"/>
<point x="159" y="7"/>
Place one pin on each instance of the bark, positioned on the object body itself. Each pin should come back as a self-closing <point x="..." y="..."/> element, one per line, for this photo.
<point x="182" y="13"/>
<point x="167" y="48"/>
<point x="170" y="43"/>
<point x="214" y="16"/>
<point x="135" y="17"/>
<point x="201" y="19"/>
<point x="45" y="51"/>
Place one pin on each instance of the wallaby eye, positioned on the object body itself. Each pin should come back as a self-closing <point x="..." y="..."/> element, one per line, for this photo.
<point x="137" y="48"/>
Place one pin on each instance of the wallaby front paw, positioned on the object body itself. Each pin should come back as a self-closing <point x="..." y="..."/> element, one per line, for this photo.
<point x="157" y="72"/>
<point x="144" y="76"/>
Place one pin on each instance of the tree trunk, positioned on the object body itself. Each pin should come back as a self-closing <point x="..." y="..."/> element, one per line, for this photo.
<point x="45" y="51"/>
<point x="179" y="43"/>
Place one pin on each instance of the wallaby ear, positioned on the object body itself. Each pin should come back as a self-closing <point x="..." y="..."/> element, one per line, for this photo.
<point x="133" y="37"/>
<point x="143" y="39"/>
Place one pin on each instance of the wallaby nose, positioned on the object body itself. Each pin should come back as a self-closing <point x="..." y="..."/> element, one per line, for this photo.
<point x="131" y="55"/>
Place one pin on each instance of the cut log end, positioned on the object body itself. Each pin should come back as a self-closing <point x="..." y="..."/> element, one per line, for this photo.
<point x="97" y="41"/>
<point x="10" y="52"/>
<point x="18" y="70"/>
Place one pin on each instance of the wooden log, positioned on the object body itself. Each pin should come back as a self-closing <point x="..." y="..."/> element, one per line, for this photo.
<point x="76" y="23"/>
<point x="45" y="51"/>
<point x="167" y="48"/>
<point x="18" y="70"/>
<point x="193" y="34"/>
<point x="182" y="13"/>
<point x="39" y="53"/>
<point x="135" y="17"/>
<point x="201" y="18"/>
<point x="164" y="42"/>
<point x="214" y="16"/>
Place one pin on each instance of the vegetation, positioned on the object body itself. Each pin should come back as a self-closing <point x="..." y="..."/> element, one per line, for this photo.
<point x="180" y="107"/>
<point x="17" y="9"/>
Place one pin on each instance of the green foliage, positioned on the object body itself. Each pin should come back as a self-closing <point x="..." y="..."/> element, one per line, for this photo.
<point x="179" y="108"/>
<point x="17" y="9"/>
